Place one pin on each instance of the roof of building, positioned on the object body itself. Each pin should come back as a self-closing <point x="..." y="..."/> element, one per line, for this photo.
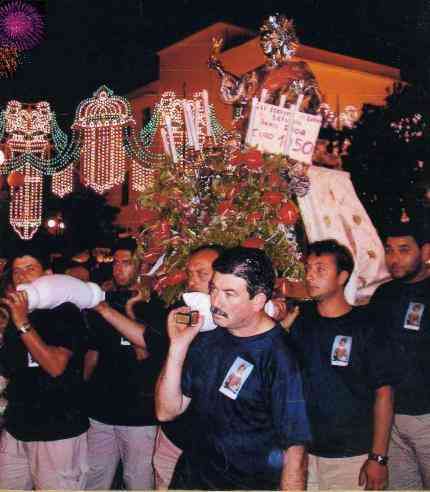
<point x="242" y="45"/>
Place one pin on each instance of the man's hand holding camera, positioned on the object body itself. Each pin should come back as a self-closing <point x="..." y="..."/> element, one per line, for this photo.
<point x="181" y="330"/>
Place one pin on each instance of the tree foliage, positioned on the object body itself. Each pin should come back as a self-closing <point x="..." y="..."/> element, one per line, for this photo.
<point x="389" y="157"/>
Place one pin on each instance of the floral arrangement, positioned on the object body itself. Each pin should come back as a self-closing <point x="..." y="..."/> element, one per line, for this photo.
<point x="246" y="200"/>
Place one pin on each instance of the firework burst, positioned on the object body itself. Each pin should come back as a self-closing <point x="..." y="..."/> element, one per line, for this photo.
<point x="21" y="25"/>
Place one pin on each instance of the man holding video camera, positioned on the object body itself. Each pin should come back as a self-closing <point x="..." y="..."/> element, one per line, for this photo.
<point x="121" y="367"/>
<point x="243" y="384"/>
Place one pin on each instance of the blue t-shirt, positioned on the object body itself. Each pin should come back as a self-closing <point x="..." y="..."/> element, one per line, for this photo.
<point x="344" y="360"/>
<point x="248" y="407"/>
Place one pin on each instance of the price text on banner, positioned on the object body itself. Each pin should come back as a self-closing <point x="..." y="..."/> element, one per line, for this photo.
<point x="283" y="131"/>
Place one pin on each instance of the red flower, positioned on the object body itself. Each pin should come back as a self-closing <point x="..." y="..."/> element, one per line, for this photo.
<point x="288" y="214"/>
<point x="232" y="192"/>
<point x="162" y="230"/>
<point x="176" y="277"/>
<point x="152" y="255"/>
<point x="254" y="217"/>
<point x="176" y="240"/>
<point x="237" y="160"/>
<point x="160" y="283"/>
<point x="253" y="242"/>
<point x="274" y="180"/>
<point x="253" y="160"/>
<point x="224" y="207"/>
<point x="148" y="214"/>
<point x="160" y="199"/>
<point x="272" y="197"/>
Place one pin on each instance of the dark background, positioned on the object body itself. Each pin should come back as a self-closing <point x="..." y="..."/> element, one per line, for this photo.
<point x="114" y="42"/>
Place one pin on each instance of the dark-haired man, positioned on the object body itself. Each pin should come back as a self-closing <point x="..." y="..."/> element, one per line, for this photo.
<point x="173" y="437"/>
<point x="346" y="365"/>
<point x="251" y="436"/>
<point x="127" y="347"/>
<point x="44" y="442"/>
<point x="403" y="305"/>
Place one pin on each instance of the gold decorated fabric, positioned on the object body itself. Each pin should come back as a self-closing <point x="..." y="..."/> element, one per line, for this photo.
<point x="332" y="210"/>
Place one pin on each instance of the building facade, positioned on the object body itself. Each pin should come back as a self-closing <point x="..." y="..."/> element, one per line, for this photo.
<point x="343" y="80"/>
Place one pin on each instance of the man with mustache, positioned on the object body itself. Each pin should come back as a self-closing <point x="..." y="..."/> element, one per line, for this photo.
<point x="251" y="436"/>
<point x="347" y="371"/>
<point x="403" y="306"/>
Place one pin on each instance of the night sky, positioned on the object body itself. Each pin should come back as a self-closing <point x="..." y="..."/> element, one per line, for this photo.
<point x="91" y="42"/>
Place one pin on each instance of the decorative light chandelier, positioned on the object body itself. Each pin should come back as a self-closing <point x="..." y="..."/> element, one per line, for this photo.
<point x="100" y="121"/>
<point x="27" y="128"/>
<point x="25" y="211"/>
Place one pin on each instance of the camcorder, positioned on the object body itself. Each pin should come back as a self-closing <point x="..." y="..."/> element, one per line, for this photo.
<point x="189" y="319"/>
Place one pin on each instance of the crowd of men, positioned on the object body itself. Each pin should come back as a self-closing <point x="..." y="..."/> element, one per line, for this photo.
<point x="325" y="396"/>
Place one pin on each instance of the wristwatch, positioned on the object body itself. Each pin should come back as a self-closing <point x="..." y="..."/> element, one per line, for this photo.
<point x="379" y="458"/>
<point x="25" y="328"/>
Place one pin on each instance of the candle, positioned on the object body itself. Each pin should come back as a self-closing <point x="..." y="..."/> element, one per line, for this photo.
<point x="165" y="142"/>
<point x="187" y="124"/>
<point x="205" y="98"/>
<point x="189" y="115"/>
<point x="249" y="135"/>
<point x="171" y="139"/>
<point x="263" y="95"/>
<point x="282" y="100"/>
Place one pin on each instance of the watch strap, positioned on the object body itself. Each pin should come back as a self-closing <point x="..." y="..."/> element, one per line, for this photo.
<point x="25" y="328"/>
<point x="379" y="458"/>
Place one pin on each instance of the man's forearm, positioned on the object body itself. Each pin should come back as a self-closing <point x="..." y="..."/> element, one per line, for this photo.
<point x="52" y="359"/>
<point x="130" y="329"/>
<point x="169" y="400"/>
<point x="383" y="419"/>
<point x="294" y="468"/>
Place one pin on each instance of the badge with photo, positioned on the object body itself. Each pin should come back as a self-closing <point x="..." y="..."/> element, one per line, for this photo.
<point x="413" y="316"/>
<point x="341" y="350"/>
<point x="236" y="377"/>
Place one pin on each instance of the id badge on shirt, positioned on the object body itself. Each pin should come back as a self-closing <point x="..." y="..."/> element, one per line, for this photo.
<point x="236" y="377"/>
<point x="31" y="361"/>
<point x="341" y="351"/>
<point x="413" y="316"/>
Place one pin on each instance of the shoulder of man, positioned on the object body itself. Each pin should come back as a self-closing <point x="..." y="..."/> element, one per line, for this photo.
<point x="386" y="290"/>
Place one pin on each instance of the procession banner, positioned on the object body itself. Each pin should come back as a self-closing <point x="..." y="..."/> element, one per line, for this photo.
<point x="278" y="130"/>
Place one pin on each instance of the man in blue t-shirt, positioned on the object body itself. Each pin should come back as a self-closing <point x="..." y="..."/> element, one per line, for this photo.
<point x="403" y="305"/>
<point x="348" y="371"/>
<point x="249" y="418"/>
